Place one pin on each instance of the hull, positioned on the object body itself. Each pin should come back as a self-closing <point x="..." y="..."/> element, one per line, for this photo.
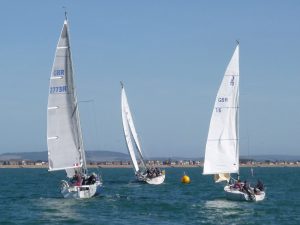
<point x="156" y="180"/>
<point x="83" y="191"/>
<point x="237" y="195"/>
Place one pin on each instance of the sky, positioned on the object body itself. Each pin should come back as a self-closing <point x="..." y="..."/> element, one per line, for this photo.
<point x="171" y="56"/>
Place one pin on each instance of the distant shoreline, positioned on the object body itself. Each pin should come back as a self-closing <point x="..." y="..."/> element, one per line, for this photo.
<point x="129" y="166"/>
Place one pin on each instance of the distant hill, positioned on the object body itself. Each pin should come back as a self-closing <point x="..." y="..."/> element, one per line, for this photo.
<point x="252" y="157"/>
<point x="272" y="157"/>
<point x="100" y="156"/>
<point x="34" y="156"/>
<point x="258" y="158"/>
<point x="43" y="156"/>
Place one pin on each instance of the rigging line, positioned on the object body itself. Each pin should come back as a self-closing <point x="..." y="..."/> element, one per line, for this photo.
<point x="76" y="105"/>
<point x="92" y="118"/>
<point x="75" y="108"/>
<point x="86" y="101"/>
<point x="145" y="155"/>
<point x="248" y="141"/>
<point x="95" y="123"/>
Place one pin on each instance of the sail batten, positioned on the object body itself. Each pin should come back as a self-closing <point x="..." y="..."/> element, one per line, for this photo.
<point x="65" y="152"/>
<point x="50" y="138"/>
<point x="54" y="107"/>
<point x="55" y="78"/>
<point x="222" y="146"/>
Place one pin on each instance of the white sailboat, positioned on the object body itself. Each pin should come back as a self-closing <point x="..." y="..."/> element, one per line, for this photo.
<point x="142" y="173"/>
<point x="64" y="137"/>
<point x="222" y="146"/>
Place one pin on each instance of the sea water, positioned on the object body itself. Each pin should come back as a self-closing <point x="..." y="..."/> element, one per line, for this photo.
<point x="32" y="196"/>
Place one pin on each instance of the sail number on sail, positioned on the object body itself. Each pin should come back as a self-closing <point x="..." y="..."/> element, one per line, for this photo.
<point x="58" y="72"/>
<point x="218" y="109"/>
<point x="223" y="99"/>
<point x="59" y="89"/>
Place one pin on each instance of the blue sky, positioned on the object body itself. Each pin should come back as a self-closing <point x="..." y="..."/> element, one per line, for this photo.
<point x="171" y="55"/>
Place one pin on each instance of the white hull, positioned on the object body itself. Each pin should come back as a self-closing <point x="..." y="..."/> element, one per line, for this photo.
<point x="237" y="195"/>
<point x="156" y="180"/>
<point x="83" y="191"/>
<point x="153" y="180"/>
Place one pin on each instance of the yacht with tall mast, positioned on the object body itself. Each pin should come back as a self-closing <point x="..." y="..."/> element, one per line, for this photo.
<point x="142" y="172"/>
<point x="222" y="146"/>
<point x="64" y="135"/>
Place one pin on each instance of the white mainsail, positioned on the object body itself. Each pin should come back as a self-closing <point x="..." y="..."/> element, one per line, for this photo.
<point x="64" y="137"/>
<point x="222" y="146"/>
<point x="130" y="131"/>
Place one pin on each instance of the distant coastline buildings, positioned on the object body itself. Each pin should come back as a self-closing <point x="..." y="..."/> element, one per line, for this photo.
<point x="152" y="163"/>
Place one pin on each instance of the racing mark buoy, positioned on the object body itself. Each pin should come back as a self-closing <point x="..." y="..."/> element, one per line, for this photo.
<point x="185" y="179"/>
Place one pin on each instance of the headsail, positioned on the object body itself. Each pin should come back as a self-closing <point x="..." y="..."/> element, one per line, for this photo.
<point x="222" y="146"/>
<point x="64" y="138"/>
<point x="130" y="131"/>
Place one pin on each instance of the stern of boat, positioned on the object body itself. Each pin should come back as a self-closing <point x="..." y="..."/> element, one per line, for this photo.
<point x="82" y="191"/>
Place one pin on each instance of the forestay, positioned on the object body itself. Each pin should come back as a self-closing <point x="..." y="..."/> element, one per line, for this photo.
<point x="130" y="131"/>
<point x="65" y="147"/>
<point x="222" y="146"/>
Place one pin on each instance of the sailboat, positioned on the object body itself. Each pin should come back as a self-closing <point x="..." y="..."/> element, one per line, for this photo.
<point x="64" y="136"/>
<point x="142" y="172"/>
<point x="222" y="146"/>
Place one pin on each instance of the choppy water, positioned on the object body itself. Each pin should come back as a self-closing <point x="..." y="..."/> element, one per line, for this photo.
<point x="31" y="196"/>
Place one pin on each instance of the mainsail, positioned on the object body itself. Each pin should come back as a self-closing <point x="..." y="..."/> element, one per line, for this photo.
<point x="222" y="146"/>
<point x="130" y="131"/>
<point x="64" y="137"/>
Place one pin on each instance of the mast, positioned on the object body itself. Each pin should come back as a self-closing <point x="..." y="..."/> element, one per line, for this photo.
<point x="76" y="110"/>
<point x="238" y="113"/>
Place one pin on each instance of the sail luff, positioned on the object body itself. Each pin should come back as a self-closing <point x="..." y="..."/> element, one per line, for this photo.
<point x="238" y="123"/>
<point x="222" y="146"/>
